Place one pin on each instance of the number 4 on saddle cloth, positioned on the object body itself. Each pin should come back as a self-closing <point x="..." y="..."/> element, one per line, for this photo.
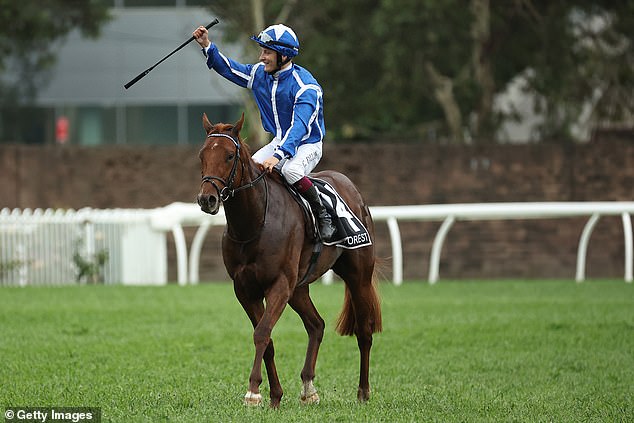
<point x="350" y="232"/>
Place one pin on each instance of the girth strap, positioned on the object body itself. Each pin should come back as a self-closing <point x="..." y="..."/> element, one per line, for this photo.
<point x="313" y="260"/>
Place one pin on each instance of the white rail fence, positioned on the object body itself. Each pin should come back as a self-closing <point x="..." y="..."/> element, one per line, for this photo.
<point x="49" y="247"/>
<point x="43" y="246"/>
<point x="448" y="214"/>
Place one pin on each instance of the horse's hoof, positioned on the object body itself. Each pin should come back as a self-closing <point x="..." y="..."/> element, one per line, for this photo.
<point x="309" y="394"/>
<point x="310" y="399"/>
<point x="252" y="400"/>
<point x="363" y="395"/>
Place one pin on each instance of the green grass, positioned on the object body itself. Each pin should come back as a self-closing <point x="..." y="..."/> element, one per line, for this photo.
<point x="453" y="352"/>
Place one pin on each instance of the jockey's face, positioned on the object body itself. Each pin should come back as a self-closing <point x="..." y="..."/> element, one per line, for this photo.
<point x="269" y="58"/>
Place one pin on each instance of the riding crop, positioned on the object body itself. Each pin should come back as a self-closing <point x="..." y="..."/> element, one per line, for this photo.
<point x="145" y="72"/>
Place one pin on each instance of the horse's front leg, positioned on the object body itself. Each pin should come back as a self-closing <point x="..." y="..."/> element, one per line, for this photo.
<point x="276" y="300"/>
<point x="255" y="310"/>
<point x="314" y="324"/>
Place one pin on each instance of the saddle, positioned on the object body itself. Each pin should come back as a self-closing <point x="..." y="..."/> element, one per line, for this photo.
<point x="350" y="232"/>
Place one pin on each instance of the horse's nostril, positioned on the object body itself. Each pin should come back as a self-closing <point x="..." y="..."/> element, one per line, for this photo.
<point x="202" y="200"/>
<point x="207" y="202"/>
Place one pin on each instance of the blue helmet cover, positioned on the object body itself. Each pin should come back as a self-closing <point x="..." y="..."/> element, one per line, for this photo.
<point x="279" y="38"/>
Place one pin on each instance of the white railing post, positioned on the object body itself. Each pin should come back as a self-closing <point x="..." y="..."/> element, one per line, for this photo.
<point x="181" y="254"/>
<point x="194" y="253"/>
<point x="629" y="246"/>
<point x="397" y="251"/>
<point x="434" y="261"/>
<point x="582" y="249"/>
<point x="328" y="277"/>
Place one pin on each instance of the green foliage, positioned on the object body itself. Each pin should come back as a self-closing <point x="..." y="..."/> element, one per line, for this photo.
<point x="453" y="352"/>
<point x="7" y="266"/>
<point x="90" y="269"/>
<point x="373" y="58"/>
<point x="29" y="32"/>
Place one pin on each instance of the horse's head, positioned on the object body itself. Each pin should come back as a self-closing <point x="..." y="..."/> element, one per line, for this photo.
<point x="219" y="159"/>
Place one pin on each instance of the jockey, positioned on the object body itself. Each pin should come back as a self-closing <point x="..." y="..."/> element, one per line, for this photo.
<point x="291" y="109"/>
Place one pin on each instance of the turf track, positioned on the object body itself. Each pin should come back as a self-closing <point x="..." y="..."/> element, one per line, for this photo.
<point x="457" y="351"/>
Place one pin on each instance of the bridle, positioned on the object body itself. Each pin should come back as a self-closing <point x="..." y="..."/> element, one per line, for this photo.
<point x="228" y="191"/>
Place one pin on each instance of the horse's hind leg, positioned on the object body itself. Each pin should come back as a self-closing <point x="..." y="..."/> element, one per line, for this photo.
<point x="314" y="324"/>
<point x="361" y="314"/>
<point x="255" y="310"/>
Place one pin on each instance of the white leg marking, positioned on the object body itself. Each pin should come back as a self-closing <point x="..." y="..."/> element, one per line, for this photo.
<point x="252" y="399"/>
<point x="309" y="393"/>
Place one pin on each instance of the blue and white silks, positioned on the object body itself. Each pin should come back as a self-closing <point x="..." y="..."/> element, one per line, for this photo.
<point x="290" y="101"/>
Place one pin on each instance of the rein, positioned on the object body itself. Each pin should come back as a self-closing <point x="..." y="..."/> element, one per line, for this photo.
<point x="228" y="191"/>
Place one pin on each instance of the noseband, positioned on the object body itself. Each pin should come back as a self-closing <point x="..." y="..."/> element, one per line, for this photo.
<point x="228" y="190"/>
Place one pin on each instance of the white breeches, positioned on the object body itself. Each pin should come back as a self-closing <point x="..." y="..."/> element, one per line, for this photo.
<point x="298" y="166"/>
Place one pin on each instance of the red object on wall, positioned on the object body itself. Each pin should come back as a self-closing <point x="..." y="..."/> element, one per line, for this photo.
<point x="61" y="129"/>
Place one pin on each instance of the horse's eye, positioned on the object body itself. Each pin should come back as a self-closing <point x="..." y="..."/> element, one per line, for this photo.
<point x="230" y="156"/>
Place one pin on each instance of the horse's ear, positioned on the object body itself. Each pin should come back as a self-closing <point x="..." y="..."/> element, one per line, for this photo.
<point x="238" y="126"/>
<point x="207" y="124"/>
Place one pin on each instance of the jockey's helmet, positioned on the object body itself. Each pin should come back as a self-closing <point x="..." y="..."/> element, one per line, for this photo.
<point x="279" y="38"/>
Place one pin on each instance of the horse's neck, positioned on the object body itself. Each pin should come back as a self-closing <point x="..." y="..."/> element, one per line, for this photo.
<point x="246" y="211"/>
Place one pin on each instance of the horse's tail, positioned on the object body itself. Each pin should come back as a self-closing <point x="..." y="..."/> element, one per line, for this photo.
<point x="346" y="321"/>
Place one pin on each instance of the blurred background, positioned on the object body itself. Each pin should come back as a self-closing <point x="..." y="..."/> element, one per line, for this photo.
<point x="426" y="101"/>
<point x="463" y="72"/>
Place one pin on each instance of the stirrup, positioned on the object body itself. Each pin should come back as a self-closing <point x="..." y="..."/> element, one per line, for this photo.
<point x="326" y="229"/>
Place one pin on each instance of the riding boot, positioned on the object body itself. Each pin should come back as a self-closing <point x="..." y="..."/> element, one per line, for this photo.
<point x="326" y="228"/>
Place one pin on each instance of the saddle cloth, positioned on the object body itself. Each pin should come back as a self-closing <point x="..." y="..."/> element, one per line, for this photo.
<point x="350" y="232"/>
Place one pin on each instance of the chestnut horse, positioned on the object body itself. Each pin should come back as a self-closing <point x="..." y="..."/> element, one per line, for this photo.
<point x="267" y="252"/>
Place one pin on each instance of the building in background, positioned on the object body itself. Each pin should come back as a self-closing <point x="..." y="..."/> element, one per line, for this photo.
<point x="85" y="103"/>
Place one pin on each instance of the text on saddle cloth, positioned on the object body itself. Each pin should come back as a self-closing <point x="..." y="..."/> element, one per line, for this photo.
<point x="350" y="233"/>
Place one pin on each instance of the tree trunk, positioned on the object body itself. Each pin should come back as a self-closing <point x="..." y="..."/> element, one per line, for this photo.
<point x="481" y="34"/>
<point x="258" y="136"/>
<point x="443" y="91"/>
<point x="257" y="9"/>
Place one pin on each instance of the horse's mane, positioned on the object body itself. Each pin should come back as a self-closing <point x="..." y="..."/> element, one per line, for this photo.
<point x="245" y="146"/>
<point x="223" y="127"/>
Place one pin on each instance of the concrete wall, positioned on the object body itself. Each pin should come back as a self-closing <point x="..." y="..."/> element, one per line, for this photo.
<point x="387" y="173"/>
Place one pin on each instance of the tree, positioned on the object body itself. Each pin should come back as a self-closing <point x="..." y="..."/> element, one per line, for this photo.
<point x="433" y="68"/>
<point x="585" y="65"/>
<point x="434" y="59"/>
<point x="29" y="30"/>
